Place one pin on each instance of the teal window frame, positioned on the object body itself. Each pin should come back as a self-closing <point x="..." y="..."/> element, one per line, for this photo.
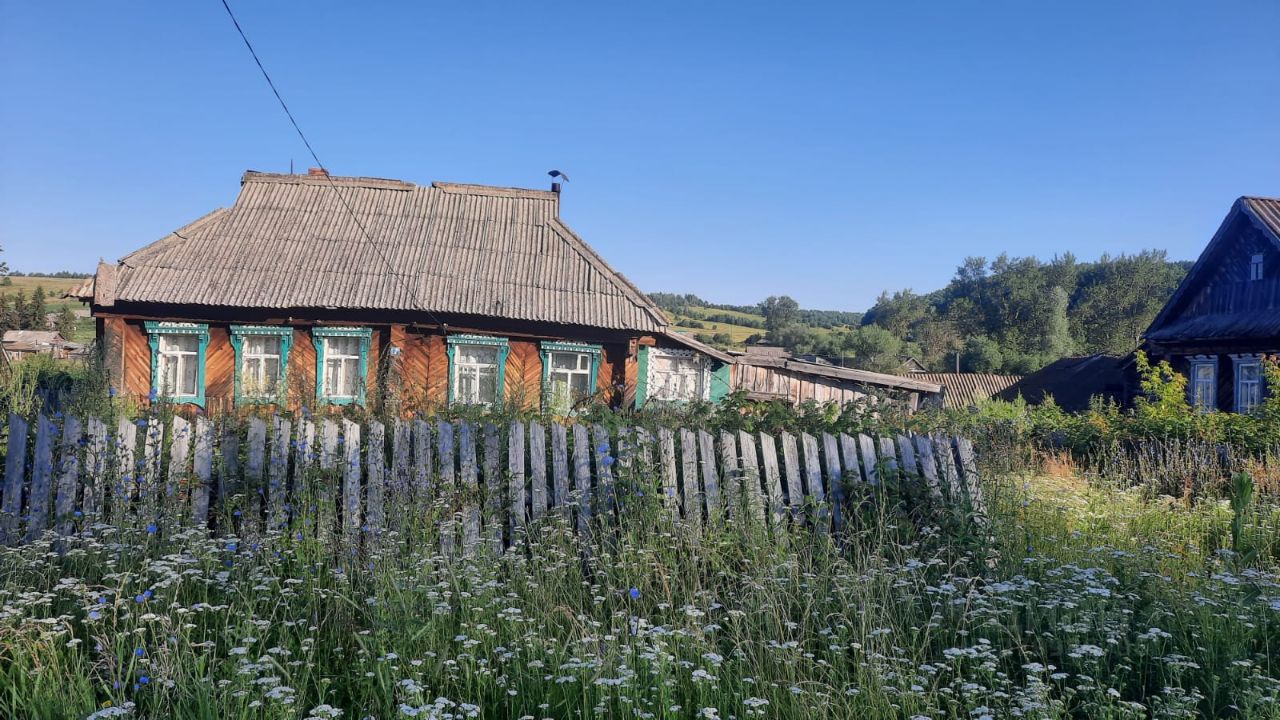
<point x="318" y="336"/>
<point x="238" y="334"/>
<point x="201" y="330"/>
<point x="547" y="348"/>
<point x="504" y="348"/>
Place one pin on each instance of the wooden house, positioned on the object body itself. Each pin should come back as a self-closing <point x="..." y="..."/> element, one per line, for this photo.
<point x="1074" y="382"/>
<point x="18" y="344"/>
<point x="770" y="373"/>
<point x="314" y="290"/>
<point x="1225" y="316"/>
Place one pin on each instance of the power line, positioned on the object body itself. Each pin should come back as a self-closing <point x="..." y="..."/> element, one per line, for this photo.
<point x="418" y="305"/>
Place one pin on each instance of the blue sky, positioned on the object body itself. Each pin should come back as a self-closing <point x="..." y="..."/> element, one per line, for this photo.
<point x="731" y="149"/>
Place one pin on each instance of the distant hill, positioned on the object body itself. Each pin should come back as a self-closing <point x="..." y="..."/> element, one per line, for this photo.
<point x="1008" y="315"/>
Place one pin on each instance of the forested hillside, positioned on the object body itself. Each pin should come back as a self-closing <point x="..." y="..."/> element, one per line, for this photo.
<point x="1011" y="315"/>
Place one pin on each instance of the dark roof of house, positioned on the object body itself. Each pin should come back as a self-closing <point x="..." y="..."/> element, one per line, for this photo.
<point x="965" y="389"/>
<point x="1071" y="381"/>
<point x="865" y="377"/>
<point x="1235" y="310"/>
<point x="473" y="250"/>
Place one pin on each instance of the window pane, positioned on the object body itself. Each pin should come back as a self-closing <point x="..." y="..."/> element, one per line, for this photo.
<point x="342" y="347"/>
<point x="188" y="365"/>
<point x="168" y="375"/>
<point x="488" y="391"/>
<point x="477" y="354"/>
<point x="580" y="383"/>
<point x="179" y="343"/>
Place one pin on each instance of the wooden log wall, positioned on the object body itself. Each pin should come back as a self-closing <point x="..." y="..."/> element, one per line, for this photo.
<point x="483" y="484"/>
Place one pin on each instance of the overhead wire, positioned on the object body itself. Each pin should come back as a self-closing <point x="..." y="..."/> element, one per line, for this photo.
<point x="413" y="296"/>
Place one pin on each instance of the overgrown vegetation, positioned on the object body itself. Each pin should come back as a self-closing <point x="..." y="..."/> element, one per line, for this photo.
<point x="1080" y="602"/>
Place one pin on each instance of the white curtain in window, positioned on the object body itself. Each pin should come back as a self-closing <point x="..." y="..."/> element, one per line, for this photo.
<point x="341" y="367"/>
<point x="569" y="379"/>
<point x="260" y="365"/>
<point x="1204" y="381"/>
<point x="475" y="374"/>
<point x="1248" y="386"/>
<point x="178" y="365"/>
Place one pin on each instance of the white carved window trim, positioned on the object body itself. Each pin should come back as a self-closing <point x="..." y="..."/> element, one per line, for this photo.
<point x="1243" y="403"/>
<point x="653" y="383"/>
<point x="1203" y="399"/>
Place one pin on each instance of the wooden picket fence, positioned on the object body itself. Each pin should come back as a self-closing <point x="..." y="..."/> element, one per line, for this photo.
<point x="351" y="481"/>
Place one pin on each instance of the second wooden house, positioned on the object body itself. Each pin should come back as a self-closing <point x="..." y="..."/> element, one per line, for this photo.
<point x="313" y="290"/>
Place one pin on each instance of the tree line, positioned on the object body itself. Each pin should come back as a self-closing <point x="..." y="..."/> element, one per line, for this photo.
<point x="1008" y="315"/>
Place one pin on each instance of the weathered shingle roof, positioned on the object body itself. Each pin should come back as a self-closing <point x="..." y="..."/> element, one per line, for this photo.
<point x="288" y="242"/>
<point x="965" y="389"/>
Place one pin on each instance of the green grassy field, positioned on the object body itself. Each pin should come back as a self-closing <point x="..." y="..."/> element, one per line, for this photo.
<point x="739" y="333"/>
<point x="53" y="289"/>
<point x="1101" y="606"/>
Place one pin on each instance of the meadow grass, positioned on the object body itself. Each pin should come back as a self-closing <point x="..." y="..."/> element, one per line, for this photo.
<point x="1078" y="602"/>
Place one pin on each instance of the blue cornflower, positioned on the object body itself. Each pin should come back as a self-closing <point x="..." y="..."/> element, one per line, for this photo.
<point x="231" y="547"/>
<point x="111" y="391"/>
<point x="94" y="614"/>
<point x="102" y="600"/>
<point x="78" y="513"/>
<point x="147" y="594"/>
<point x="236" y="513"/>
<point x="144" y="679"/>
<point x="608" y="460"/>
<point x="228" y="562"/>
<point x="151" y="396"/>
<point x="140" y="652"/>
<point x="139" y="599"/>
<point x="603" y="449"/>
<point x="151" y="529"/>
<point x="635" y="593"/>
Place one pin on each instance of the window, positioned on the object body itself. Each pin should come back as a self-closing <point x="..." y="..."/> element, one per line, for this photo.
<point x="1248" y="372"/>
<point x="569" y="372"/>
<point x="1204" y="382"/>
<point x="342" y="364"/>
<point x="1255" y="267"/>
<point x="262" y="361"/>
<point x="177" y="360"/>
<point x="675" y="375"/>
<point x="476" y="369"/>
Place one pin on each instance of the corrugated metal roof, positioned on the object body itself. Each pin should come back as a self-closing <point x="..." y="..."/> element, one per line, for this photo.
<point x="288" y="242"/>
<point x="1267" y="211"/>
<point x="965" y="389"/>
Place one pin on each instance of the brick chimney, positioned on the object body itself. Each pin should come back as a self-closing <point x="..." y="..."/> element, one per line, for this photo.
<point x="318" y="172"/>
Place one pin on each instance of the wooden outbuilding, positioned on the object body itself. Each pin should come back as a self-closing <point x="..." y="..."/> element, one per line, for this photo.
<point x="770" y="373"/>
<point x="1225" y="316"/>
<point x="314" y="290"/>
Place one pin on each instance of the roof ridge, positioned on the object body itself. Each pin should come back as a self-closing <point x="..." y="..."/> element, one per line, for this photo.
<point x="629" y="288"/>
<point x="498" y="190"/>
<point x="142" y="252"/>
<point x="373" y="183"/>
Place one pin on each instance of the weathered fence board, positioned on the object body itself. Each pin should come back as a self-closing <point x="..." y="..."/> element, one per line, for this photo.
<point x="691" y="506"/>
<point x="582" y="478"/>
<point x="64" y="505"/>
<point x="752" y="495"/>
<point x="537" y="470"/>
<point x="870" y="466"/>
<point x="351" y="510"/>
<point x="710" y="481"/>
<point x="202" y="469"/>
<point x="15" y="464"/>
<point x="515" y="479"/>
<point x="448" y="485"/>
<point x="667" y="470"/>
<point x="255" y="467"/>
<point x="835" y="480"/>
<point x="791" y="463"/>
<point x="278" y="473"/>
<point x="96" y="470"/>
<point x="41" y="477"/>
<point x="126" y="472"/>
<point x="772" y="478"/>
<point x="730" y="475"/>
<point x="495" y="508"/>
<point x="376" y="485"/>
<point x="560" y="470"/>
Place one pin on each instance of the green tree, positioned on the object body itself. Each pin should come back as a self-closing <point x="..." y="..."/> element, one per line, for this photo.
<point x="981" y="354"/>
<point x="20" y="310"/>
<point x="779" y="312"/>
<point x="66" y="324"/>
<point x="8" y="318"/>
<point x="873" y="348"/>
<point x="36" y="310"/>
<point x="1056" y="342"/>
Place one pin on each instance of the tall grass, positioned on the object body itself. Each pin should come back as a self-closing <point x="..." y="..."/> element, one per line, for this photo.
<point x="1079" y="602"/>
